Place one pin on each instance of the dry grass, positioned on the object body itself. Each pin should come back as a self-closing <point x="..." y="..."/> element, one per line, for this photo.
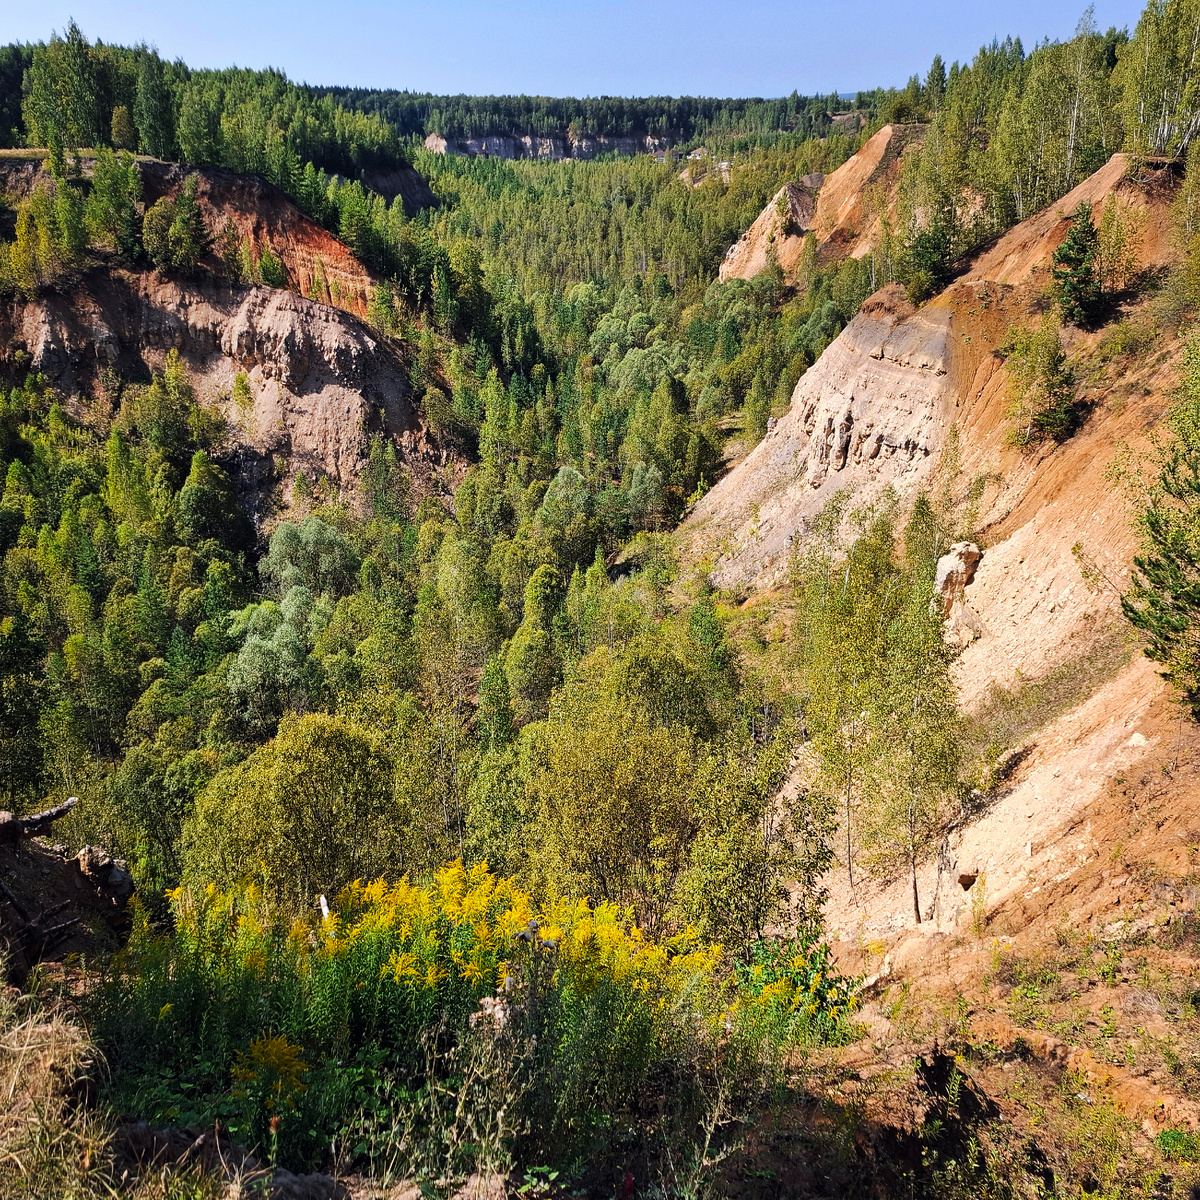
<point x="49" y="1142"/>
<point x="1009" y="716"/>
<point x="53" y="1144"/>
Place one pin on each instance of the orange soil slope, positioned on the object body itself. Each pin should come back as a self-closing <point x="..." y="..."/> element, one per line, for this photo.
<point x="316" y="263"/>
<point x="843" y="211"/>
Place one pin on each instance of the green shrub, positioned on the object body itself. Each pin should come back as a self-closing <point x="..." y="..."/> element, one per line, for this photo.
<point x="1178" y="1145"/>
<point x="271" y="270"/>
<point x="174" y="233"/>
<point x="1043" y="394"/>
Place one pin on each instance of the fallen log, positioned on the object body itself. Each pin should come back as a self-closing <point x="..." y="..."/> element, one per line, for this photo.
<point x="14" y="828"/>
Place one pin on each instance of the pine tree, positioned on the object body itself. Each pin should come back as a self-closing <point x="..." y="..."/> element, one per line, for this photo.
<point x="935" y="83"/>
<point x="532" y="663"/>
<point x="1076" y="286"/>
<point x="1164" y="601"/>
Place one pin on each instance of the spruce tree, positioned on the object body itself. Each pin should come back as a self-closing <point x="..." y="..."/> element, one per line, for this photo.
<point x="1076" y="286"/>
<point x="1164" y="601"/>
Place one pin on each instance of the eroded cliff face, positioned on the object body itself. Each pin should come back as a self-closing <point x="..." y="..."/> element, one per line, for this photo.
<point x="555" y="147"/>
<point x="843" y="210"/>
<point x="876" y="411"/>
<point x="315" y="262"/>
<point x="870" y="414"/>
<point x="322" y="381"/>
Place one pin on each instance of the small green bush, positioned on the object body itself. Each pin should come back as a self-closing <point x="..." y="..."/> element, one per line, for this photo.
<point x="1178" y="1145"/>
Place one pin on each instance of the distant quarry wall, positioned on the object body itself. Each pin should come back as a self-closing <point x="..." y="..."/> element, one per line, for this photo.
<point x="553" y="148"/>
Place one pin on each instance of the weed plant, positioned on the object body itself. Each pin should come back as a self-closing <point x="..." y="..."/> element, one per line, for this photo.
<point x="446" y="1023"/>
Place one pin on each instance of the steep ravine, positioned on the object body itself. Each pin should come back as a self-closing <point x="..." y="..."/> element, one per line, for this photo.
<point x="1088" y="833"/>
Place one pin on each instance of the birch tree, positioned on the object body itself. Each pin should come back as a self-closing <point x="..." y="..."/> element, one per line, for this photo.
<point x="1160" y="74"/>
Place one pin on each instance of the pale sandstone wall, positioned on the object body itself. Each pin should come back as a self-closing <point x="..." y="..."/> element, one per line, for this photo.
<point x="322" y="381"/>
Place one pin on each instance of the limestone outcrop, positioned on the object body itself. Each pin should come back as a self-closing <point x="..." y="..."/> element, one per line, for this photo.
<point x="955" y="571"/>
<point x="555" y="146"/>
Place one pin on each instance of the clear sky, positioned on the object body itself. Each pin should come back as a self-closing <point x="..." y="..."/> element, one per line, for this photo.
<point x="613" y="47"/>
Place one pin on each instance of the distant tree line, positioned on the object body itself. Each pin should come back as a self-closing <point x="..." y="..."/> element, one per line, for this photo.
<point x="682" y="118"/>
<point x="68" y="92"/>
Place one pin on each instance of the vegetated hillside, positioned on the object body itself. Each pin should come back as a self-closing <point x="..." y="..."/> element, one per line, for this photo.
<point x="553" y="127"/>
<point x="314" y="262"/>
<point x="459" y="851"/>
<point x="322" y="381"/>
<point x="843" y="211"/>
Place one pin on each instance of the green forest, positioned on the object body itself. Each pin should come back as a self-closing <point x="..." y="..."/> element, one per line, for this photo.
<point x="394" y="771"/>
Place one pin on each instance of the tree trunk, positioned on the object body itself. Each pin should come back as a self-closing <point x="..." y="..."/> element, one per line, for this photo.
<point x="849" y="855"/>
<point x="13" y="828"/>
<point x="916" y="898"/>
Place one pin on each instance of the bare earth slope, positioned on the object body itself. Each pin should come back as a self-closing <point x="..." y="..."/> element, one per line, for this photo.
<point x="315" y="262"/>
<point x="843" y="210"/>
<point x="323" y="381"/>
<point x="1059" y="931"/>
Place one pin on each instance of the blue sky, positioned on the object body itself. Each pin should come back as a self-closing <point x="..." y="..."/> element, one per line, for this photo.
<point x="615" y="47"/>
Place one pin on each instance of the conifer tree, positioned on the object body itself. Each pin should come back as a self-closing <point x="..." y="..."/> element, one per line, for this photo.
<point x="1077" y="288"/>
<point x="532" y="663"/>
<point x="1164" y="601"/>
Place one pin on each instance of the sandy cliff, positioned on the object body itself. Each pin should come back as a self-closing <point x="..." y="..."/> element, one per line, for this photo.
<point x="581" y="146"/>
<point x="842" y="210"/>
<point x="875" y="412"/>
<point x="322" y="381"/>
